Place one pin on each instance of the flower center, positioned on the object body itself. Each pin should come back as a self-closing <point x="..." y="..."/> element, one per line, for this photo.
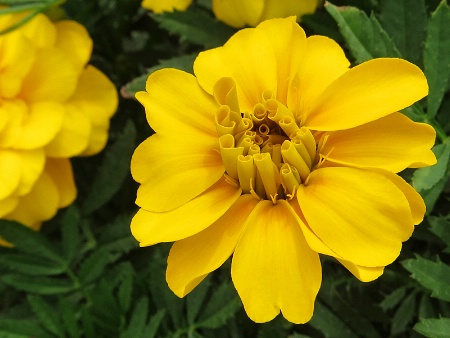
<point x="265" y="151"/>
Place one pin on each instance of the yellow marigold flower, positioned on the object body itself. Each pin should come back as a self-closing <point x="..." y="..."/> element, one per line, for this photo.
<point x="276" y="151"/>
<point x="240" y="13"/>
<point x="53" y="106"/>
<point x="160" y="6"/>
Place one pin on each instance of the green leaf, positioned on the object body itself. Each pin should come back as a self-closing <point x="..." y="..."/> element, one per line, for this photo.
<point x="30" y="265"/>
<point x="195" y="300"/>
<point x="404" y="21"/>
<point x="94" y="266"/>
<point x="434" y="328"/>
<point x="69" y="317"/>
<point x="153" y="325"/>
<point x="329" y="323"/>
<point x="428" y="177"/>
<point x="47" y="315"/>
<point x="184" y="62"/>
<point x="71" y="239"/>
<point x="440" y="226"/>
<point x="22" y="327"/>
<point x="436" y="56"/>
<point x="196" y="26"/>
<point x="113" y="170"/>
<point x="365" y="37"/>
<point x="138" y="321"/>
<point x="39" y="285"/>
<point x="220" y="317"/>
<point x="431" y="275"/>
<point x="404" y="314"/>
<point x="431" y="196"/>
<point x="393" y="299"/>
<point x="29" y="241"/>
<point x="125" y="290"/>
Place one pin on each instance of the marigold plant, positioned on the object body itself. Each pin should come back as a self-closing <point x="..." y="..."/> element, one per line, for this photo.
<point x="276" y="151"/>
<point x="53" y="106"/>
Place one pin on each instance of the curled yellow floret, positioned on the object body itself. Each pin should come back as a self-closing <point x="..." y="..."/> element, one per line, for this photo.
<point x="53" y="106"/>
<point x="277" y="151"/>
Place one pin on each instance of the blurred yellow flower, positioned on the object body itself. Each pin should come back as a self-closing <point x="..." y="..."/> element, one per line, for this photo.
<point x="160" y="6"/>
<point x="52" y="107"/>
<point x="238" y="13"/>
<point x="241" y="13"/>
<point x="276" y="151"/>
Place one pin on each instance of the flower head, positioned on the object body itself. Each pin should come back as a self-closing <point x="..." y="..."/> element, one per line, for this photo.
<point x="160" y="6"/>
<point x="276" y="151"/>
<point x="52" y="107"/>
<point x="238" y="13"/>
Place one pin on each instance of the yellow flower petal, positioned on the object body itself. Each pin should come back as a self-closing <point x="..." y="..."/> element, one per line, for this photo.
<point x="393" y="142"/>
<point x="10" y="172"/>
<point x="173" y="171"/>
<point x="40" y="31"/>
<point x="282" y="9"/>
<point x="289" y="44"/>
<point x="96" y="98"/>
<point x="367" y="92"/>
<point x="60" y="171"/>
<point x="191" y="259"/>
<point x="39" y="205"/>
<point x="363" y="273"/>
<point x="154" y="227"/>
<point x="359" y="214"/>
<point x="247" y="58"/>
<point x="42" y="123"/>
<point x="70" y="34"/>
<point x="237" y="13"/>
<point x="323" y="62"/>
<point x="52" y="77"/>
<point x="192" y="111"/>
<point x="73" y="136"/>
<point x="159" y="6"/>
<point x="7" y="205"/>
<point x="273" y="267"/>
<point x="416" y="203"/>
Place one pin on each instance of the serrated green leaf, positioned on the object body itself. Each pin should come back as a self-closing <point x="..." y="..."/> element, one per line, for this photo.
<point x="431" y="275"/>
<point x="431" y="196"/>
<point x="365" y="37"/>
<point x="329" y="323"/>
<point x="426" y="178"/>
<point x="23" y="327"/>
<point x="404" y="21"/>
<point x="393" y="299"/>
<point x="138" y="321"/>
<point x="184" y="62"/>
<point x="47" y="315"/>
<point x="190" y="26"/>
<point x="220" y="317"/>
<point x="434" y="328"/>
<point x="94" y="266"/>
<point x="440" y="226"/>
<point x="71" y="239"/>
<point x="29" y="241"/>
<point x="125" y="291"/>
<point x="113" y="170"/>
<point x="38" y="285"/>
<point x="30" y="265"/>
<point x="69" y="318"/>
<point x="153" y="326"/>
<point x="195" y="300"/>
<point x="436" y="56"/>
<point x="404" y="314"/>
<point x="426" y="308"/>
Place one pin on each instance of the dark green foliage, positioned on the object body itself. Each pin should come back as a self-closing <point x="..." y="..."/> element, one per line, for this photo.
<point x="84" y="275"/>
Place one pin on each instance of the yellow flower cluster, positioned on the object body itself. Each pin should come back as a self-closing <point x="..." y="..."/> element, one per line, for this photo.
<point x="241" y="13"/>
<point x="53" y="106"/>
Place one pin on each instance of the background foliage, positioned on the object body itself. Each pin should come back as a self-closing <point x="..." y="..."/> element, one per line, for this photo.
<point x="83" y="275"/>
